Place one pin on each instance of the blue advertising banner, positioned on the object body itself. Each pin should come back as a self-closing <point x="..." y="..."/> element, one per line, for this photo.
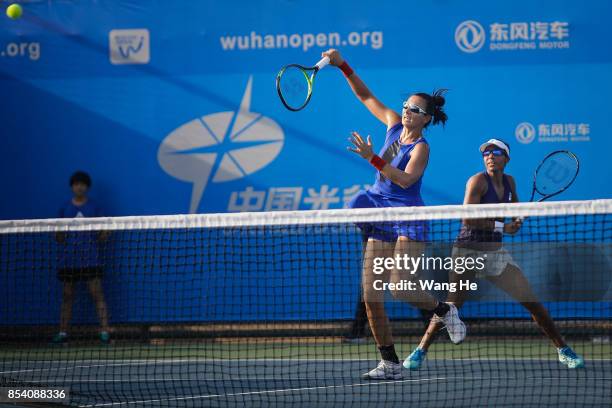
<point x="171" y="106"/>
<point x="142" y="95"/>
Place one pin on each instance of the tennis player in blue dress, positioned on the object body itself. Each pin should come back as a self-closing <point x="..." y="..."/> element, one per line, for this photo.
<point x="400" y="166"/>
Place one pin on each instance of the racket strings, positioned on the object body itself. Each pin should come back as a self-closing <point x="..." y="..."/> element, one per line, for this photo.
<point x="556" y="173"/>
<point x="295" y="87"/>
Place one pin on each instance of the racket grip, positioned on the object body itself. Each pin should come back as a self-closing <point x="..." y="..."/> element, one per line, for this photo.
<point x="323" y="63"/>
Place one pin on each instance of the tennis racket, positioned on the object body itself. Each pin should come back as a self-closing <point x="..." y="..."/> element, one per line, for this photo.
<point x="294" y="84"/>
<point x="555" y="174"/>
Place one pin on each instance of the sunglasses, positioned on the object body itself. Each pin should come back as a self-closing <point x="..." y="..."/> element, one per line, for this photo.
<point x="496" y="153"/>
<point x="414" y="108"/>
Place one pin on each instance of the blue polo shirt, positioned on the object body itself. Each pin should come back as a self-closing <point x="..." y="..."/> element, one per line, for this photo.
<point x="80" y="248"/>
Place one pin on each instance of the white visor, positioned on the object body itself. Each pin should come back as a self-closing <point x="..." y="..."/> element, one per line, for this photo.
<point x="497" y="143"/>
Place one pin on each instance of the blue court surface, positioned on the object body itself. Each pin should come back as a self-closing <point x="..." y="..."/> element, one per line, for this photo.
<point x="303" y="382"/>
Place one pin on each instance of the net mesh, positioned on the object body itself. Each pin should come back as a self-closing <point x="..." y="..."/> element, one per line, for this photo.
<point x="267" y="309"/>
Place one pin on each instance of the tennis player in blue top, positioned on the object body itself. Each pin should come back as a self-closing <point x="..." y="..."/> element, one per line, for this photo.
<point x="400" y="165"/>
<point x="483" y="238"/>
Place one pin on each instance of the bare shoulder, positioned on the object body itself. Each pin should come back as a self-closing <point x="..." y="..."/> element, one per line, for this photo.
<point x="474" y="190"/>
<point x="420" y="152"/>
<point x="393" y="123"/>
<point x="478" y="182"/>
<point x="421" y="147"/>
<point x="478" y="178"/>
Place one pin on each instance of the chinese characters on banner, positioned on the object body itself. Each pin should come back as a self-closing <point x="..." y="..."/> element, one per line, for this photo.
<point x="292" y="198"/>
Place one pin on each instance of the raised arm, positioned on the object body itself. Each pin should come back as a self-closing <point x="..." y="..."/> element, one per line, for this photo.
<point x="387" y="116"/>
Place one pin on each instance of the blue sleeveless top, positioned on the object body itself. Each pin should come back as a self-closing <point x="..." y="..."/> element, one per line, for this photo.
<point x="397" y="155"/>
<point x="468" y="234"/>
<point x="491" y="196"/>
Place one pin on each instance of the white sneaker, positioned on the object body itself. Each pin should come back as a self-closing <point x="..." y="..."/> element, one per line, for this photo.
<point x="455" y="327"/>
<point x="385" y="370"/>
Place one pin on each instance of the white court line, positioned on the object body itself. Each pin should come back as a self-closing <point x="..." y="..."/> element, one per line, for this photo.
<point x="261" y="378"/>
<point x="168" y="379"/>
<point x="288" y="359"/>
<point x="33" y="370"/>
<point x="73" y="367"/>
<point x="367" y="384"/>
<point x="188" y="360"/>
<point x="123" y="363"/>
<point x="161" y="362"/>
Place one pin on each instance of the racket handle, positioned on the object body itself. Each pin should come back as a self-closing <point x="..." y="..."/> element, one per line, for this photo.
<point x="323" y="63"/>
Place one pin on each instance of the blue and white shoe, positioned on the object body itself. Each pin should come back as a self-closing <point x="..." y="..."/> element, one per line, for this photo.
<point x="455" y="327"/>
<point x="568" y="357"/>
<point x="415" y="359"/>
<point x="385" y="370"/>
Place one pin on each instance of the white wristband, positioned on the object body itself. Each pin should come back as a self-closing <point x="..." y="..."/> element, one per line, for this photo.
<point x="499" y="227"/>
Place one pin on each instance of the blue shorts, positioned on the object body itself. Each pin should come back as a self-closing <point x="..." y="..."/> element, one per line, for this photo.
<point x="388" y="231"/>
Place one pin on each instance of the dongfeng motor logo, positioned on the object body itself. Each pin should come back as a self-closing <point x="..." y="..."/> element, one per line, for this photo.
<point x="470" y="36"/>
<point x="525" y="132"/>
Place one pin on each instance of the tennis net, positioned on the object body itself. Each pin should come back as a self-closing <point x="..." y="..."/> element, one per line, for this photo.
<point x="266" y="309"/>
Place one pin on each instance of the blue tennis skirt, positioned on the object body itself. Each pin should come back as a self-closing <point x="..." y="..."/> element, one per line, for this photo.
<point x="389" y="231"/>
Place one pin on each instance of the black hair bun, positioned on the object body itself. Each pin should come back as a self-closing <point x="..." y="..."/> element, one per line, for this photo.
<point x="438" y="99"/>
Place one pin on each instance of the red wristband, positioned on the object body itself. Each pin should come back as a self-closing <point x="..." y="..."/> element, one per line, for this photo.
<point x="377" y="162"/>
<point x="346" y="70"/>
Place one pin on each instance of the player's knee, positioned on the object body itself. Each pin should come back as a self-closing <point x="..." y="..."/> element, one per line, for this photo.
<point x="373" y="307"/>
<point x="535" y="308"/>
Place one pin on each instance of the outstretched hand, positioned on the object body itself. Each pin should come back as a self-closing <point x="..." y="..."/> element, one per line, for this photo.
<point x="334" y="57"/>
<point x="362" y="148"/>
